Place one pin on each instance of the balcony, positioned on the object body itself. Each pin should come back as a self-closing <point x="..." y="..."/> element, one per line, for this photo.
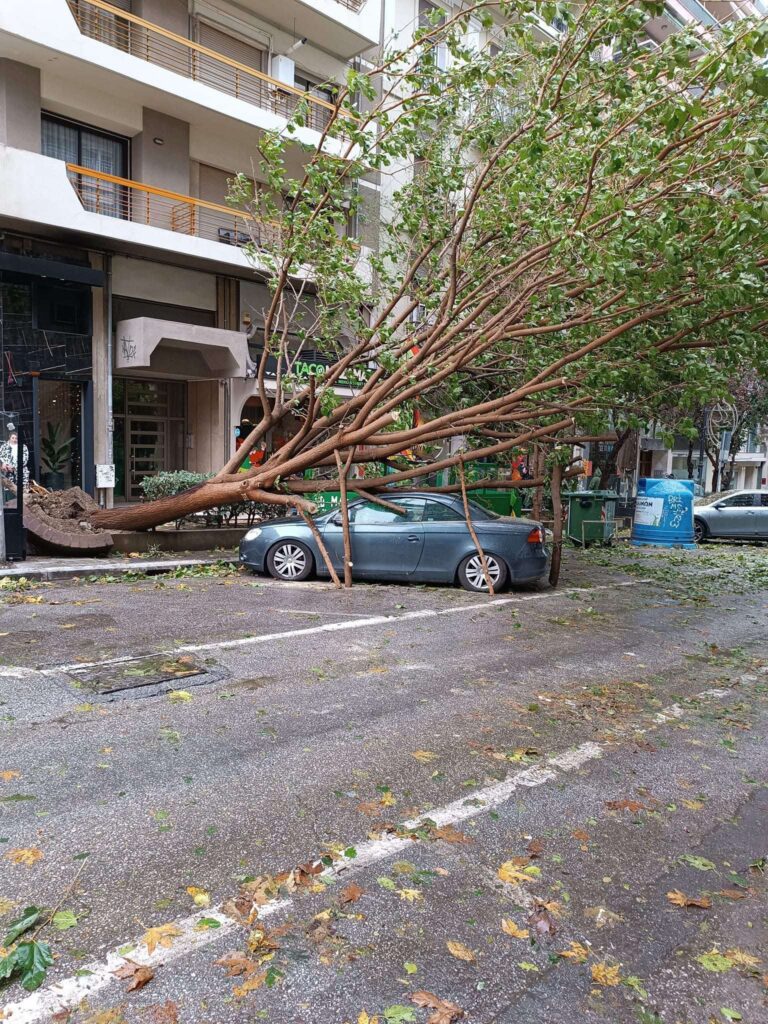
<point x="126" y="216"/>
<point x="133" y="35"/>
<point x="124" y="199"/>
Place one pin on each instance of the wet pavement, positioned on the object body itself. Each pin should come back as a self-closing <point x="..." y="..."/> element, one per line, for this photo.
<point x="505" y="791"/>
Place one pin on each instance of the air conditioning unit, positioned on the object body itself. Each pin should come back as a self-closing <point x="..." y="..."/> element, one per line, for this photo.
<point x="284" y="69"/>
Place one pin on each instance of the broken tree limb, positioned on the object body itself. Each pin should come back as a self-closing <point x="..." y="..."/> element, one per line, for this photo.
<point x="343" y="470"/>
<point x="320" y="546"/>
<point x="471" y="528"/>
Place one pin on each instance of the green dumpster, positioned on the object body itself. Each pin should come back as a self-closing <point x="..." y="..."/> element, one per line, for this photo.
<point x="504" y="501"/>
<point x="591" y="516"/>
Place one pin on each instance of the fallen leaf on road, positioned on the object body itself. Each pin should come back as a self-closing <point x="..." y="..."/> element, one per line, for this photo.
<point x="625" y="805"/>
<point x="714" y="961"/>
<point x="168" y="1013"/>
<point x="734" y="894"/>
<point x="460" y="951"/>
<point x="535" y="848"/>
<point x="200" y="897"/>
<point x="162" y="935"/>
<point x="575" y="952"/>
<point x="387" y="800"/>
<point x="372" y="808"/>
<point x="237" y="964"/>
<point x="449" y="834"/>
<point x="424" y="756"/>
<point x="509" y="927"/>
<point x="179" y="696"/>
<point x="679" y="899"/>
<point x="141" y="977"/>
<point x="363" y="1018"/>
<point x="411" y="895"/>
<point x="63" y="920"/>
<point x="700" y="863"/>
<point x="8" y="775"/>
<point x="581" y="835"/>
<point x="27" y="856"/>
<point x="250" y="985"/>
<point x="742" y="959"/>
<point x="445" y="1012"/>
<point x="509" y="872"/>
<point x="693" y="805"/>
<point x="542" y="922"/>
<point x="351" y="893"/>
<point x="606" y="975"/>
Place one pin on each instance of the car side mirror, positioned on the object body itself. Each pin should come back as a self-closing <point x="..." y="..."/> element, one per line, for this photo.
<point x="719" y="505"/>
<point x="337" y="520"/>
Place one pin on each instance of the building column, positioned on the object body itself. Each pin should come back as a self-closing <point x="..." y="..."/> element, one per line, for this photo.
<point x="101" y="342"/>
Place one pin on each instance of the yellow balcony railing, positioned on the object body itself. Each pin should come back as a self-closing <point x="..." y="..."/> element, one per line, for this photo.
<point x="143" y="204"/>
<point x="131" y="34"/>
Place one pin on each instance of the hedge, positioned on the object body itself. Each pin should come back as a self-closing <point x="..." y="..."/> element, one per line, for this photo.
<point x="166" y="485"/>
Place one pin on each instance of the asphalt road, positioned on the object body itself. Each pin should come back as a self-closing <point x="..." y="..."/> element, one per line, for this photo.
<point x="504" y="792"/>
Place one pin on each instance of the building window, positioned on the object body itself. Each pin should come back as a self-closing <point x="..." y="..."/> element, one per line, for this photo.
<point x="88" y="147"/>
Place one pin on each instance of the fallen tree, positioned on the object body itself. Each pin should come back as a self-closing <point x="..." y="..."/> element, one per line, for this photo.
<point x="587" y="219"/>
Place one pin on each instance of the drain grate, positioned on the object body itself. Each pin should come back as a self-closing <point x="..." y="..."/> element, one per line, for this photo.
<point x="145" y="676"/>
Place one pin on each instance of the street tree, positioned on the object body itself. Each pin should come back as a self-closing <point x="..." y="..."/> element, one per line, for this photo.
<point x="587" y="219"/>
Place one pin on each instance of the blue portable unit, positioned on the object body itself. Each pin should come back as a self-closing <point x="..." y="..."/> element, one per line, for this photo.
<point x="664" y="513"/>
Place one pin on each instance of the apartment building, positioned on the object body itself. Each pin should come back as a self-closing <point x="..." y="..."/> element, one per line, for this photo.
<point x="126" y="300"/>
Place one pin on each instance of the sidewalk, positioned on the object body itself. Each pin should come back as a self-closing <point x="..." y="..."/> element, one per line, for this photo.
<point x="45" y="567"/>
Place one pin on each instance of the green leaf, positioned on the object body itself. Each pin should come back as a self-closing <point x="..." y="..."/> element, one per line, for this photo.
<point x="730" y="1014"/>
<point x="397" y="1014"/>
<point x="208" y="922"/>
<point x="700" y="863"/>
<point x="386" y="883"/>
<point x="25" y="920"/>
<point x="63" y="920"/>
<point x="410" y="968"/>
<point x="714" y="961"/>
<point x="32" y="961"/>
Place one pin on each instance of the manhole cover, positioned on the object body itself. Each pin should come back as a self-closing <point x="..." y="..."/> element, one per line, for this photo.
<point x="156" y="674"/>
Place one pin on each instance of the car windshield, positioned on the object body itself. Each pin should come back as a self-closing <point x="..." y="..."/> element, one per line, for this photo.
<point x="710" y="499"/>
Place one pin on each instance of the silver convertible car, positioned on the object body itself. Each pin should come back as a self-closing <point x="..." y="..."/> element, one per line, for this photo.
<point x="428" y="542"/>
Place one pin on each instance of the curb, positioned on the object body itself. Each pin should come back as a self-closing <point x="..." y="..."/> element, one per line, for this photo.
<point x="105" y="566"/>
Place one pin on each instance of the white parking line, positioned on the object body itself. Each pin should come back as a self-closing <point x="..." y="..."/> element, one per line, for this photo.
<point x="334" y="627"/>
<point x="69" y="992"/>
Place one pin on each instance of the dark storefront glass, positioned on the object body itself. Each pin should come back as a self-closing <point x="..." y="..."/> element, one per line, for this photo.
<point x="149" y="427"/>
<point x="45" y="351"/>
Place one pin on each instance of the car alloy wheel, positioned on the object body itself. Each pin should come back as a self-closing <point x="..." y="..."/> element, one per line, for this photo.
<point x="289" y="561"/>
<point x="475" y="577"/>
<point x="699" y="531"/>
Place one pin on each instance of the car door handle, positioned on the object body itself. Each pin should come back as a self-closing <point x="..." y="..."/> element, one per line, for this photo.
<point x="414" y="538"/>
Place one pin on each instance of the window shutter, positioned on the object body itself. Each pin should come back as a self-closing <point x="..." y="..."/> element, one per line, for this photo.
<point x="230" y="46"/>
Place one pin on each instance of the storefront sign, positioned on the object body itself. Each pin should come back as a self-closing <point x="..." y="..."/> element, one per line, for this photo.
<point x="312" y="363"/>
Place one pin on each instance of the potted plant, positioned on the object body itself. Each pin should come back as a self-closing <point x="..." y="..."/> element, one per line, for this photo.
<point x="54" y="455"/>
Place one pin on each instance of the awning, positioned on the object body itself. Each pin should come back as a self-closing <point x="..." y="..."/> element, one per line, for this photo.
<point x="168" y="347"/>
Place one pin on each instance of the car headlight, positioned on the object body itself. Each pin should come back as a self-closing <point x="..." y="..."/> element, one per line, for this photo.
<point x="252" y="534"/>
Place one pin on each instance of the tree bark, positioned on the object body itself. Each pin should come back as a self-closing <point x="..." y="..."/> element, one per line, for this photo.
<point x="538" y="494"/>
<point x="557" y="526"/>
<point x="321" y="547"/>
<point x="472" y="532"/>
<point x="343" y="470"/>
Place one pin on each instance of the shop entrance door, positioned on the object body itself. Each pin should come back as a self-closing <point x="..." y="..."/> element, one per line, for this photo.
<point x="149" y="432"/>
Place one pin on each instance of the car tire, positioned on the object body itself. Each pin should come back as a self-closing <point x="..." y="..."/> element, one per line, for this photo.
<point x="700" y="531"/>
<point x="290" y="561"/>
<point x="471" y="576"/>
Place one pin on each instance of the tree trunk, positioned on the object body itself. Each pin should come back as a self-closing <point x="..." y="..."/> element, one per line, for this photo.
<point x="557" y="526"/>
<point x="142" y="516"/>
<point x="471" y="528"/>
<point x="689" y="460"/>
<point x="538" y="494"/>
<point x="343" y="470"/>
<point x="321" y="548"/>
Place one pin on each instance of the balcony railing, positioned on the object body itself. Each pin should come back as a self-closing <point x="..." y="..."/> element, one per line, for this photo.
<point x="143" y="204"/>
<point x="131" y="34"/>
<point x="352" y="5"/>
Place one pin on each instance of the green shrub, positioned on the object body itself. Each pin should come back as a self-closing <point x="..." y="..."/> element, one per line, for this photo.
<point x="166" y="485"/>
